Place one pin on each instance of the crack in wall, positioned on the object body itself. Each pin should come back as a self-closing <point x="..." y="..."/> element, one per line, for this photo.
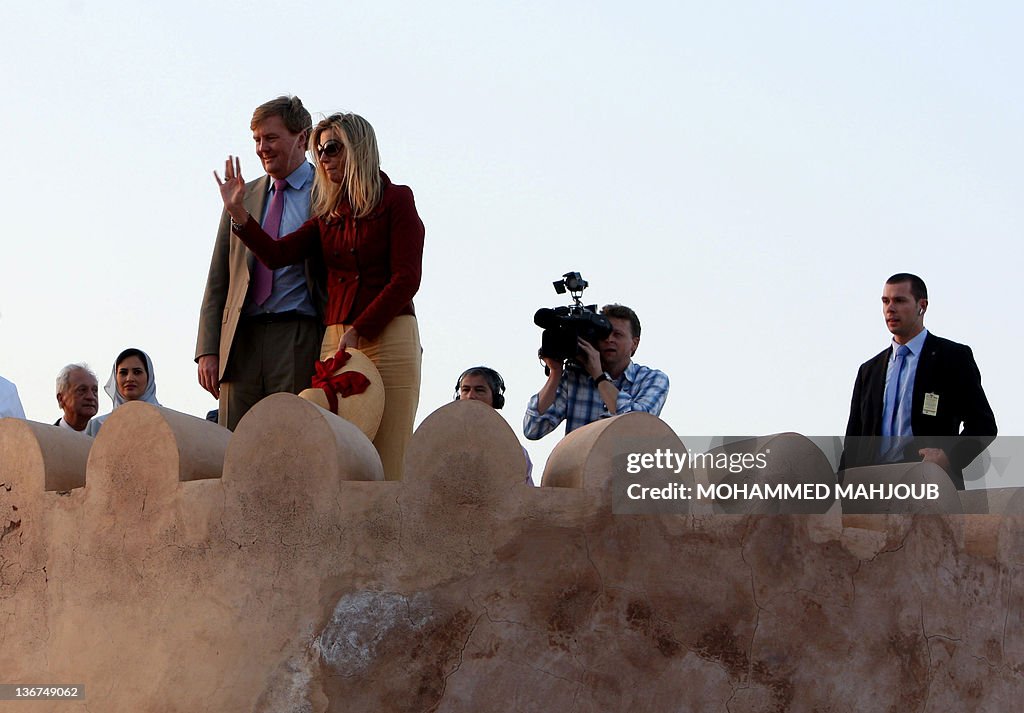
<point x="931" y="665"/>
<point x="458" y="665"/>
<point x="1006" y="616"/>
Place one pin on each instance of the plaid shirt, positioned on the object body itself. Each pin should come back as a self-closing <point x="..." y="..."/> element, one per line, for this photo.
<point x="578" y="401"/>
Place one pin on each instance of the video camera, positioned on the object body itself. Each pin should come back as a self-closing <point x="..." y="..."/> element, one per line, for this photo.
<point x="563" y="325"/>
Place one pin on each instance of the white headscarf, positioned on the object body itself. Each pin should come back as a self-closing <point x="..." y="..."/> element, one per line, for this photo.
<point x="149" y="395"/>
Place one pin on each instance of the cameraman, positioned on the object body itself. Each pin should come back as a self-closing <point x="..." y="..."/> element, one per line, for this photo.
<point x="600" y="385"/>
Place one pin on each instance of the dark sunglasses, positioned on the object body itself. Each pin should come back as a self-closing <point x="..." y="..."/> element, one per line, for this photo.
<point x="331" y="148"/>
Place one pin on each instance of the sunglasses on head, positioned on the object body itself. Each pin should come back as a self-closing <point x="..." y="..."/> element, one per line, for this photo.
<point x="331" y="148"/>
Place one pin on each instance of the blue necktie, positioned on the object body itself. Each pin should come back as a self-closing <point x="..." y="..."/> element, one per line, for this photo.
<point x="893" y="397"/>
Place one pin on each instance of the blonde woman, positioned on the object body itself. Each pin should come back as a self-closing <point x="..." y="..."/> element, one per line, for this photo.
<point x="371" y="239"/>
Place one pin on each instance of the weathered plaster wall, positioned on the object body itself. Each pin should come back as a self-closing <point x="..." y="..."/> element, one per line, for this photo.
<point x="274" y="570"/>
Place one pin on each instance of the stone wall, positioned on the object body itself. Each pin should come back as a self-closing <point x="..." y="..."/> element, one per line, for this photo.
<point x="172" y="566"/>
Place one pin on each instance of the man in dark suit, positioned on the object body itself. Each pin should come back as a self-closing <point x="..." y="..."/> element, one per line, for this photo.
<point x="921" y="398"/>
<point x="260" y="334"/>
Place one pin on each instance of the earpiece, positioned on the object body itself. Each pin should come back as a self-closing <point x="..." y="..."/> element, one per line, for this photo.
<point x="920" y="312"/>
<point x="494" y="380"/>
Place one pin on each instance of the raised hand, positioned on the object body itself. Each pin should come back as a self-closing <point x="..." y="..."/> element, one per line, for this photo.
<point x="232" y="189"/>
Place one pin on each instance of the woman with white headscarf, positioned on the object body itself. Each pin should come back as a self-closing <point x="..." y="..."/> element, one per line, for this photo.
<point x="131" y="379"/>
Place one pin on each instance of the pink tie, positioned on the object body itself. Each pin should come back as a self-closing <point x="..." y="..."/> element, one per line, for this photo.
<point x="263" y="276"/>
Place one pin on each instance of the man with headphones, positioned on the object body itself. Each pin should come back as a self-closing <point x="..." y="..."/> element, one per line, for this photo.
<point x="481" y="383"/>
<point x="599" y="383"/>
<point x="910" y="401"/>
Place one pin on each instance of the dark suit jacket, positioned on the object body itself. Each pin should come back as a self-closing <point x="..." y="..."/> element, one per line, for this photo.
<point x="944" y="368"/>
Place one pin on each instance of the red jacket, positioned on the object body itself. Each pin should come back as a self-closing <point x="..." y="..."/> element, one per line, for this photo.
<point x="374" y="263"/>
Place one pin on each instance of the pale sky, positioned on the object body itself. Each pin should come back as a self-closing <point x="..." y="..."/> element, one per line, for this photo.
<point x="744" y="175"/>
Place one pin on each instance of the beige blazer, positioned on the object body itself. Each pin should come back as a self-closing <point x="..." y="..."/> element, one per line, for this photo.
<point x="228" y="281"/>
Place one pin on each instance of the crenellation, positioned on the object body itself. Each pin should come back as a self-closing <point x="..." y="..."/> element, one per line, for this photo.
<point x="791" y="454"/>
<point x="53" y="457"/>
<point x="586" y="457"/>
<point x="271" y="569"/>
<point x="283" y="434"/>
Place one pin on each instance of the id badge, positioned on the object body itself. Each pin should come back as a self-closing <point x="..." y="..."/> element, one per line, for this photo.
<point x="931" y="405"/>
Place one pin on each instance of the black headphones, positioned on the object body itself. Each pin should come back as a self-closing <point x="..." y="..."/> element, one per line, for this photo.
<point x="494" y="380"/>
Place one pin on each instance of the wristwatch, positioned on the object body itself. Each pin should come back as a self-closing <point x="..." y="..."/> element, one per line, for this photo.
<point x="603" y="376"/>
<point x="236" y="227"/>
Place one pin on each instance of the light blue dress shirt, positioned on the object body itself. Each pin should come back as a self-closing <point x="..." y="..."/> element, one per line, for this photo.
<point x="578" y="402"/>
<point x="290" y="292"/>
<point x="892" y="450"/>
